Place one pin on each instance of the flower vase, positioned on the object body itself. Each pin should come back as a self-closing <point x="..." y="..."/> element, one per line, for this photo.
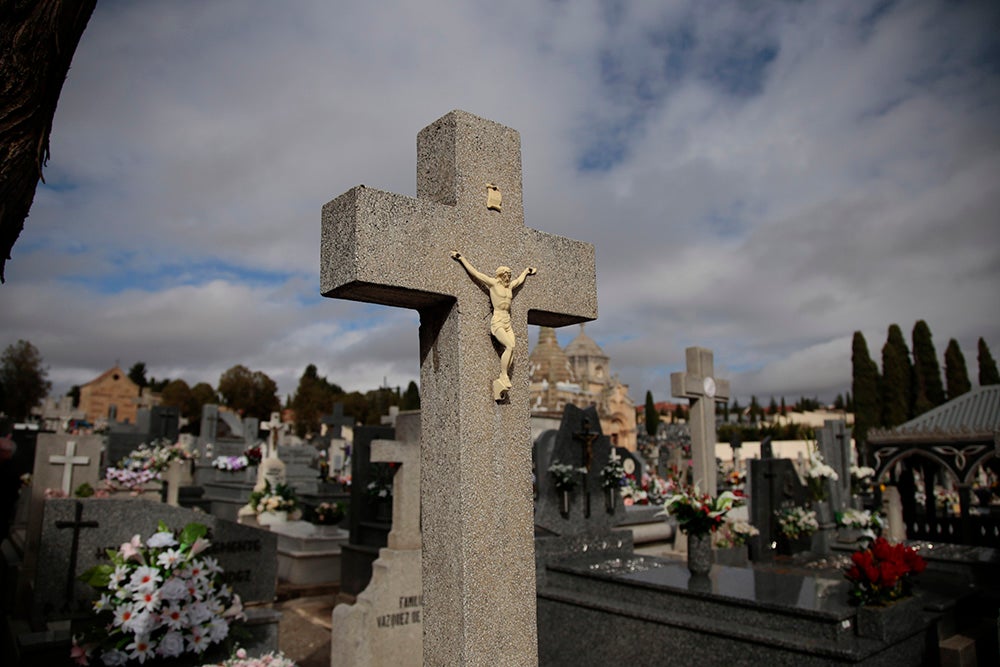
<point x="699" y="553"/>
<point x="610" y="499"/>
<point x="890" y="622"/>
<point x="564" y="503"/>
<point x="272" y="518"/>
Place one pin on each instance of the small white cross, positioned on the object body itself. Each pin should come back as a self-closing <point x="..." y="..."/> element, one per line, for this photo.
<point x="69" y="460"/>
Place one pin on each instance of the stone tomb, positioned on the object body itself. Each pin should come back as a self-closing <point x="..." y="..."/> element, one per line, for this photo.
<point x="300" y="473"/>
<point x="774" y="483"/>
<point x="385" y="626"/>
<point x="643" y="610"/>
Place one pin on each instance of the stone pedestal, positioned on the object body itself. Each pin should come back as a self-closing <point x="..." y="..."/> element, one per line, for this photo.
<point x="309" y="554"/>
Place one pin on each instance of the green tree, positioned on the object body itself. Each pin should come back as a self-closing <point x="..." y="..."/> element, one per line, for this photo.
<point x="411" y="397"/>
<point x="988" y="373"/>
<point x="250" y="393"/>
<point x="24" y="379"/>
<point x="74" y="393"/>
<point x="313" y="399"/>
<point x="956" y="374"/>
<point x="864" y="387"/>
<point x="178" y="394"/>
<point x="754" y="410"/>
<point x="784" y="408"/>
<point x="738" y="410"/>
<point x="137" y="374"/>
<point x="929" y="388"/>
<point x="838" y="403"/>
<point x="772" y="407"/>
<point x="652" y="416"/>
<point x="896" y="386"/>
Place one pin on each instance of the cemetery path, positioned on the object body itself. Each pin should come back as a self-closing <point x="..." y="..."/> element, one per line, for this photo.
<point x="304" y="630"/>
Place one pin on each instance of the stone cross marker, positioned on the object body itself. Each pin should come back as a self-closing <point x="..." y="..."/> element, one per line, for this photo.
<point x="476" y="493"/>
<point x="699" y="385"/>
<point x="69" y="459"/>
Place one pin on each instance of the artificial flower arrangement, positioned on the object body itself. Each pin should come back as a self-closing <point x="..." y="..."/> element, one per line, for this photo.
<point x="796" y="522"/>
<point x="861" y="479"/>
<point x="280" y="498"/>
<point x="883" y="572"/>
<point x="698" y="513"/>
<point x="158" y="599"/>
<point x="734" y="533"/>
<point x="613" y="474"/>
<point x="231" y="463"/>
<point x="817" y="475"/>
<point x="565" y="475"/>
<point x="869" y="523"/>
<point x="144" y="464"/>
<point x="241" y="659"/>
<point x="329" y="514"/>
<point x="254" y="455"/>
<point x="380" y="486"/>
<point x="649" y="490"/>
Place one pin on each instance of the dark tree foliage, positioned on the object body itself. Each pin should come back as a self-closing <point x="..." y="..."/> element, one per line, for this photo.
<point x="411" y="397"/>
<point x="864" y="387"/>
<point x="24" y="379"/>
<point x="652" y="416"/>
<point x="137" y="374"/>
<point x="250" y="393"/>
<point x="738" y="411"/>
<point x="313" y="399"/>
<point x="177" y="393"/>
<point x="929" y="391"/>
<point x="838" y="403"/>
<point x="956" y="374"/>
<point x="37" y="42"/>
<point x="988" y="373"/>
<point x="784" y="408"/>
<point x="896" y="386"/>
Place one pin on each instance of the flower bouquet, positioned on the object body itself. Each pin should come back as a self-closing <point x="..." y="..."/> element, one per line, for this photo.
<point x="698" y="513"/>
<point x="280" y="498"/>
<point x="796" y="522"/>
<point x="241" y="659"/>
<point x="566" y="476"/>
<point x="162" y="598"/>
<point x="883" y="572"/>
<point x="329" y="514"/>
<point x="817" y="475"/>
<point x="231" y="463"/>
<point x="861" y="479"/>
<point x="254" y="455"/>
<point x="868" y="524"/>
<point x="380" y="486"/>
<point x="734" y="533"/>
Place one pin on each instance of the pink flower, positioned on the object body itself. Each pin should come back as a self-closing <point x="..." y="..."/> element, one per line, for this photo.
<point x="199" y="545"/>
<point x="131" y="550"/>
<point x="79" y="654"/>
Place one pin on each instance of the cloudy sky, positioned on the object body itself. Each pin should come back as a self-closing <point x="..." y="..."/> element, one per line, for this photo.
<point x="759" y="178"/>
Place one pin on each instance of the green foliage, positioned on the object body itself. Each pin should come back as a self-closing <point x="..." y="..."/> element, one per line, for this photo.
<point x="250" y="393"/>
<point x="929" y="392"/>
<point x="23" y="379"/>
<point x="137" y="373"/>
<point x="988" y="373"/>
<point x="178" y="394"/>
<point x="313" y="398"/>
<point x="895" y="389"/>
<point x="74" y="393"/>
<point x="956" y="374"/>
<point x="411" y="397"/>
<point x="652" y="416"/>
<point x="864" y="386"/>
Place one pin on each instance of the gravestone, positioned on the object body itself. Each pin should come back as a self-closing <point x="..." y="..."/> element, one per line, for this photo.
<point x="368" y="528"/>
<point x="579" y="443"/>
<point x="631" y="464"/>
<point x="774" y="483"/>
<point x="384" y="626"/>
<point x="77" y="532"/>
<point x="156" y="423"/>
<point x="335" y="423"/>
<point x="299" y="471"/>
<point x="478" y="570"/>
<point x="699" y="385"/>
<point x="834" y="442"/>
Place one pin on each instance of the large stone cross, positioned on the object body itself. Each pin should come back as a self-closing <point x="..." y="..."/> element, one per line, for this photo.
<point x="476" y="495"/>
<point x="699" y="384"/>
<point x="69" y="459"/>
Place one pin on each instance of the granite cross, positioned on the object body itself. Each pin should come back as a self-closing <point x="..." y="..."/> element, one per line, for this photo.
<point x="69" y="459"/>
<point x="476" y="494"/>
<point x="704" y="390"/>
<point x="337" y="421"/>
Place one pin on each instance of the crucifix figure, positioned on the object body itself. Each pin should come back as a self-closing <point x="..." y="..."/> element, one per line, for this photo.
<point x="699" y="385"/>
<point x="69" y="459"/>
<point x="76" y="525"/>
<point x="586" y="438"/>
<point x="478" y="548"/>
<point x="501" y="294"/>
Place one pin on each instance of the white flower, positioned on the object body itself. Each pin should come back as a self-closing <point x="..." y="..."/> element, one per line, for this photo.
<point x="123" y="614"/>
<point x="160" y="540"/>
<point x="169" y="558"/>
<point x="173" y="617"/>
<point x="172" y="645"/>
<point x="173" y="589"/>
<point x="102" y="603"/>
<point x="141" y="648"/>
<point x="217" y="629"/>
<point x="114" y="658"/>
<point x="145" y="578"/>
<point x="198" y="613"/>
<point x="146" y="600"/>
<point x="118" y="576"/>
<point x="141" y="623"/>
<point x="196" y="640"/>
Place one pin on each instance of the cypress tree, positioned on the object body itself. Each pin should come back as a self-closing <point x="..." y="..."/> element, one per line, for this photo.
<point x="864" y="387"/>
<point x="897" y="379"/>
<point x="929" y="388"/>
<point x="652" y="416"/>
<point x="987" y="366"/>
<point x="956" y="375"/>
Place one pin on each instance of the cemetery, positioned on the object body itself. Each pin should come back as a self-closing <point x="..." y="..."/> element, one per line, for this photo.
<point x="469" y="532"/>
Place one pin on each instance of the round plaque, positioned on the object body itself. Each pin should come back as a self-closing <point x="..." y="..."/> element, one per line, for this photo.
<point x="709" y="386"/>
